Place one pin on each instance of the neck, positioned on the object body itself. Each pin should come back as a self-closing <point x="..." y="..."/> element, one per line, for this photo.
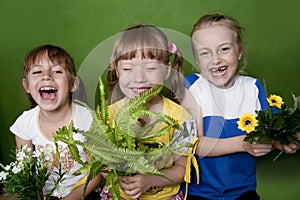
<point x="51" y="121"/>
<point x="57" y="115"/>
<point x="155" y="104"/>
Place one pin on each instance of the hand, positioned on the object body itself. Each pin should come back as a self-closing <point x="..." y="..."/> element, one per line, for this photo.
<point x="135" y="186"/>
<point x="290" y="148"/>
<point x="257" y="149"/>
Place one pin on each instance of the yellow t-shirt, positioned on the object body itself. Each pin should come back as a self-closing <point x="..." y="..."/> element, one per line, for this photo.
<point x="178" y="113"/>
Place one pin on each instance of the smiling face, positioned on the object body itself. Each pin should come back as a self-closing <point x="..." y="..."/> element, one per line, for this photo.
<point x="139" y="74"/>
<point x="217" y="54"/>
<point x="48" y="84"/>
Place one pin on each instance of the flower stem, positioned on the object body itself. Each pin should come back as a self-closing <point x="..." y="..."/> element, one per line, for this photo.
<point x="277" y="155"/>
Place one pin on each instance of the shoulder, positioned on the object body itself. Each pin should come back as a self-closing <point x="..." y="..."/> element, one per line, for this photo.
<point x="175" y="110"/>
<point x="82" y="117"/>
<point x="26" y="123"/>
<point x="115" y="108"/>
<point x="81" y="110"/>
<point x="249" y="80"/>
<point x="253" y="84"/>
<point x="190" y="80"/>
<point x="27" y="116"/>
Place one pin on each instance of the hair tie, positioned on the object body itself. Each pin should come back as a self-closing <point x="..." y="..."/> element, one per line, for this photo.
<point x="173" y="48"/>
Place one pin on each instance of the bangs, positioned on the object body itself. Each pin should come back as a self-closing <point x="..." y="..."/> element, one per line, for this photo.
<point x="145" y="53"/>
<point x="140" y="42"/>
<point x="52" y="54"/>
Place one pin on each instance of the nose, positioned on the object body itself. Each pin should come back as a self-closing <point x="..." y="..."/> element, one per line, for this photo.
<point x="47" y="75"/>
<point x="139" y="74"/>
<point x="216" y="58"/>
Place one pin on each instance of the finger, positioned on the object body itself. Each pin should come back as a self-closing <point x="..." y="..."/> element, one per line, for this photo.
<point x="289" y="149"/>
<point x="135" y="193"/>
<point x="126" y="179"/>
<point x="126" y="186"/>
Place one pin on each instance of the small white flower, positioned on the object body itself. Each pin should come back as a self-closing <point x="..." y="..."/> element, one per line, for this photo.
<point x="20" y="156"/>
<point x="15" y="169"/>
<point x="59" y="191"/>
<point x="3" y="175"/>
<point x="21" y="166"/>
<point x="36" y="154"/>
<point x="7" y="167"/>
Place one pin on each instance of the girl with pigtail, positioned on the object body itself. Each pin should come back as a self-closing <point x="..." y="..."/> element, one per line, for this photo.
<point x="140" y="60"/>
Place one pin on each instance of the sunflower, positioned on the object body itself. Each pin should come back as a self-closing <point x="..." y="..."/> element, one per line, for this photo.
<point x="247" y="122"/>
<point x="275" y="100"/>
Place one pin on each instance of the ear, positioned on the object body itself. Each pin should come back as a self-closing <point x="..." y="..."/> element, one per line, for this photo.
<point x="76" y="84"/>
<point x="25" y="85"/>
<point x="240" y="55"/>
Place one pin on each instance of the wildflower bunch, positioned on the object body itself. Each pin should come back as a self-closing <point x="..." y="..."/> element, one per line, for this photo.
<point x="26" y="176"/>
<point x="279" y="122"/>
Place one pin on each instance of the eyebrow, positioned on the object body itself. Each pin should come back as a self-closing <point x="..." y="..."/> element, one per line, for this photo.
<point x="207" y="48"/>
<point x="38" y="65"/>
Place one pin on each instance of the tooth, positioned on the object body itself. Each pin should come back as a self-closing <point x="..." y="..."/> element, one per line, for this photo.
<point x="47" y="88"/>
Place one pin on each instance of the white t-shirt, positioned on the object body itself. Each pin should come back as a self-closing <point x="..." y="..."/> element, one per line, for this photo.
<point x="26" y="127"/>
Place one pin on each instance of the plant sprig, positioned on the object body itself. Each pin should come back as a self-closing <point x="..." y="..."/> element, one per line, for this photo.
<point x="115" y="147"/>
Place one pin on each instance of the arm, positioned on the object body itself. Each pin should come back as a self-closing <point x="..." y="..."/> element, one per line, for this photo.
<point x="21" y="142"/>
<point x="136" y="185"/>
<point x="211" y="147"/>
<point x="76" y="194"/>
<point x="216" y="147"/>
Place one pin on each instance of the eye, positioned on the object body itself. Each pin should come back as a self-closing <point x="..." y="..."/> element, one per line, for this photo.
<point x="203" y="53"/>
<point x="36" y="72"/>
<point x="126" y="68"/>
<point x="225" y="49"/>
<point x="57" y="72"/>
<point x="151" y="67"/>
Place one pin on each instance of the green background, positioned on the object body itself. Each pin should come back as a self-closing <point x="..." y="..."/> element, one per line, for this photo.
<point x="272" y="40"/>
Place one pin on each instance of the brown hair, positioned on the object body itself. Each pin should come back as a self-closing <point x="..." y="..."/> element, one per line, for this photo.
<point x="153" y="44"/>
<point x="56" y="55"/>
<point x="231" y="23"/>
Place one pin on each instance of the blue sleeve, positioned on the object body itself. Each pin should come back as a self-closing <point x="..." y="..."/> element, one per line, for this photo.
<point x="262" y="95"/>
<point x="189" y="80"/>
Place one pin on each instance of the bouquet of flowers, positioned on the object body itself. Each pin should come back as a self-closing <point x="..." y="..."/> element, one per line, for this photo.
<point x="279" y="122"/>
<point x="27" y="175"/>
<point x="116" y="148"/>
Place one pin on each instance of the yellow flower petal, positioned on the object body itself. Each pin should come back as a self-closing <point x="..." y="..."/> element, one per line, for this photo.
<point x="247" y="122"/>
<point x="275" y="100"/>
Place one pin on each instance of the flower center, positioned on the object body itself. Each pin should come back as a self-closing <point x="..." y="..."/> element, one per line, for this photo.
<point x="248" y="122"/>
<point x="273" y="101"/>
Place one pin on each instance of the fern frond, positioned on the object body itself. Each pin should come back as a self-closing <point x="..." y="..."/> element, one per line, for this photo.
<point x="116" y="147"/>
<point x="136" y="104"/>
<point x="103" y="102"/>
<point x="99" y="123"/>
<point x="65" y="134"/>
<point x="112" y="182"/>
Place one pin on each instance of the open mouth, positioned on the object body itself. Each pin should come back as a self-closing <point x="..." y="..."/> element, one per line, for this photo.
<point x="140" y="90"/>
<point x="219" y="71"/>
<point x="48" y="93"/>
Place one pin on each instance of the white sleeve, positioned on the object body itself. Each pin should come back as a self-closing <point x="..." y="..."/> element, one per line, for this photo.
<point x="187" y="133"/>
<point x="25" y="125"/>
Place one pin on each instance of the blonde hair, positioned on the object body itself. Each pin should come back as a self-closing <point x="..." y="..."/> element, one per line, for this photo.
<point x="231" y="23"/>
<point x="152" y="43"/>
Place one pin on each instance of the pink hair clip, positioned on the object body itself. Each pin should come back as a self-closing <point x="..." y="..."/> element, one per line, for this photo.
<point x="173" y="48"/>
